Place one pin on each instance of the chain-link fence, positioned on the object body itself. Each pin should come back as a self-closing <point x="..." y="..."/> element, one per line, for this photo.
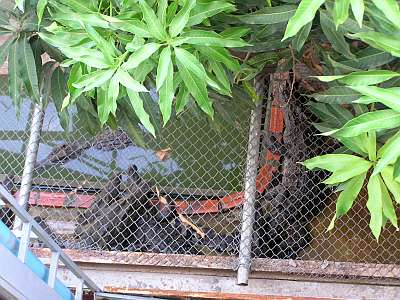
<point x="184" y="191"/>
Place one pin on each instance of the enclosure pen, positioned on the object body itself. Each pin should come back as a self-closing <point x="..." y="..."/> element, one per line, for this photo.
<point x="202" y="149"/>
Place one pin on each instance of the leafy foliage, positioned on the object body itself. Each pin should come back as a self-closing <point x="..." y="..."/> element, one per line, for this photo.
<point x="115" y="59"/>
<point x="360" y="108"/>
<point x="110" y="50"/>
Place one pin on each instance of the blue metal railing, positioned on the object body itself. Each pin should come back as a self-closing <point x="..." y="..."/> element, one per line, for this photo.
<point x="20" y="248"/>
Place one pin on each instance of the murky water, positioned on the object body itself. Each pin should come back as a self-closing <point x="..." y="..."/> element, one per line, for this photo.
<point x="201" y="156"/>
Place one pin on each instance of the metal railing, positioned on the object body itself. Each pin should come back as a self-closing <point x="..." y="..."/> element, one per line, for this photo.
<point x="30" y="225"/>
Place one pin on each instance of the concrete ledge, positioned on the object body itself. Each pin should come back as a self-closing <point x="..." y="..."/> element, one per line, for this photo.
<point x="215" y="278"/>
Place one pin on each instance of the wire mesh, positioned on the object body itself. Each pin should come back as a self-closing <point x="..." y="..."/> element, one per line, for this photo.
<point x="183" y="192"/>
<point x="106" y="193"/>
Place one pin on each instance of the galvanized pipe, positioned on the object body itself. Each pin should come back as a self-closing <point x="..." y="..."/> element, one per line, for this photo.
<point x="250" y="190"/>
<point x="30" y="159"/>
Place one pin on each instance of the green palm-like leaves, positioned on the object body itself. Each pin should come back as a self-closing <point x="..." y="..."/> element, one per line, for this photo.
<point x="119" y="53"/>
<point x="372" y="98"/>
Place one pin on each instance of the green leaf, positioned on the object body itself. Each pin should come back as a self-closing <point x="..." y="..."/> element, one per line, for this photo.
<point x="103" y="105"/>
<point x="162" y="11"/>
<point x="140" y="55"/>
<point x="141" y="72"/>
<point x="322" y="111"/>
<point x="235" y="32"/>
<point x="251" y="91"/>
<point x="124" y="118"/>
<point x="194" y="75"/>
<point x="182" y="98"/>
<point x="369" y="58"/>
<point x="167" y="93"/>
<point x="357" y="7"/>
<point x="338" y="67"/>
<point x="334" y="162"/>
<point x="58" y="93"/>
<point x="341" y="11"/>
<point x="390" y="137"/>
<point x="205" y="10"/>
<point x="301" y="37"/>
<point x="396" y="169"/>
<point x="209" y="38"/>
<point x="45" y="81"/>
<point x="337" y="94"/>
<point x="340" y="112"/>
<point x="4" y="49"/>
<point x="390" y="153"/>
<point x="137" y="104"/>
<point x="387" y="204"/>
<point x="348" y="172"/>
<point x="376" y="120"/>
<point x="374" y="205"/>
<point x="335" y="36"/>
<point x="362" y="78"/>
<point x="92" y="80"/>
<point x="79" y="5"/>
<point x="371" y="136"/>
<point x="76" y="20"/>
<point x="171" y="11"/>
<point x="357" y="144"/>
<point x="304" y="14"/>
<point x="221" y="55"/>
<point x="392" y="185"/>
<point x="27" y="68"/>
<point x="390" y="9"/>
<point x="74" y="75"/>
<point x="91" y="57"/>
<point x="41" y="6"/>
<point x="269" y="15"/>
<point x="347" y="196"/>
<point x="388" y="43"/>
<point x="136" y="27"/>
<point x="191" y="62"/>
<point x="63" y="39"/>
<point x="156" y="29"/>
<point x="389" y="96"/>
<point x="112" y="93"/>
<point x="217" y="86"/>
<point x="86" y="119"/>
<point x="220" y="73"/>
<point x="163" y="66"/>
<point x="106" y="48"/>
<point x="378" y="20"/>
<point x="182" y="17"/>
<point x="127" y="81"/>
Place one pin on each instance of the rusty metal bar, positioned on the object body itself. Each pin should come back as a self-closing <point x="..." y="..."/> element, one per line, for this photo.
<point x="30" y="159"/>
<point x="250" y="190"/>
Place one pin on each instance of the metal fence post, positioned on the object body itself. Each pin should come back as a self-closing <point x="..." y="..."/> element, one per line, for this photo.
<point x="30" y="159"/>
<point x="250" y="190"/>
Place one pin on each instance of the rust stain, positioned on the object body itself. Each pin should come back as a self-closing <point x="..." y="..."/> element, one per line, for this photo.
<point x="277" y="119"/>
<point x="202" y="295"/>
